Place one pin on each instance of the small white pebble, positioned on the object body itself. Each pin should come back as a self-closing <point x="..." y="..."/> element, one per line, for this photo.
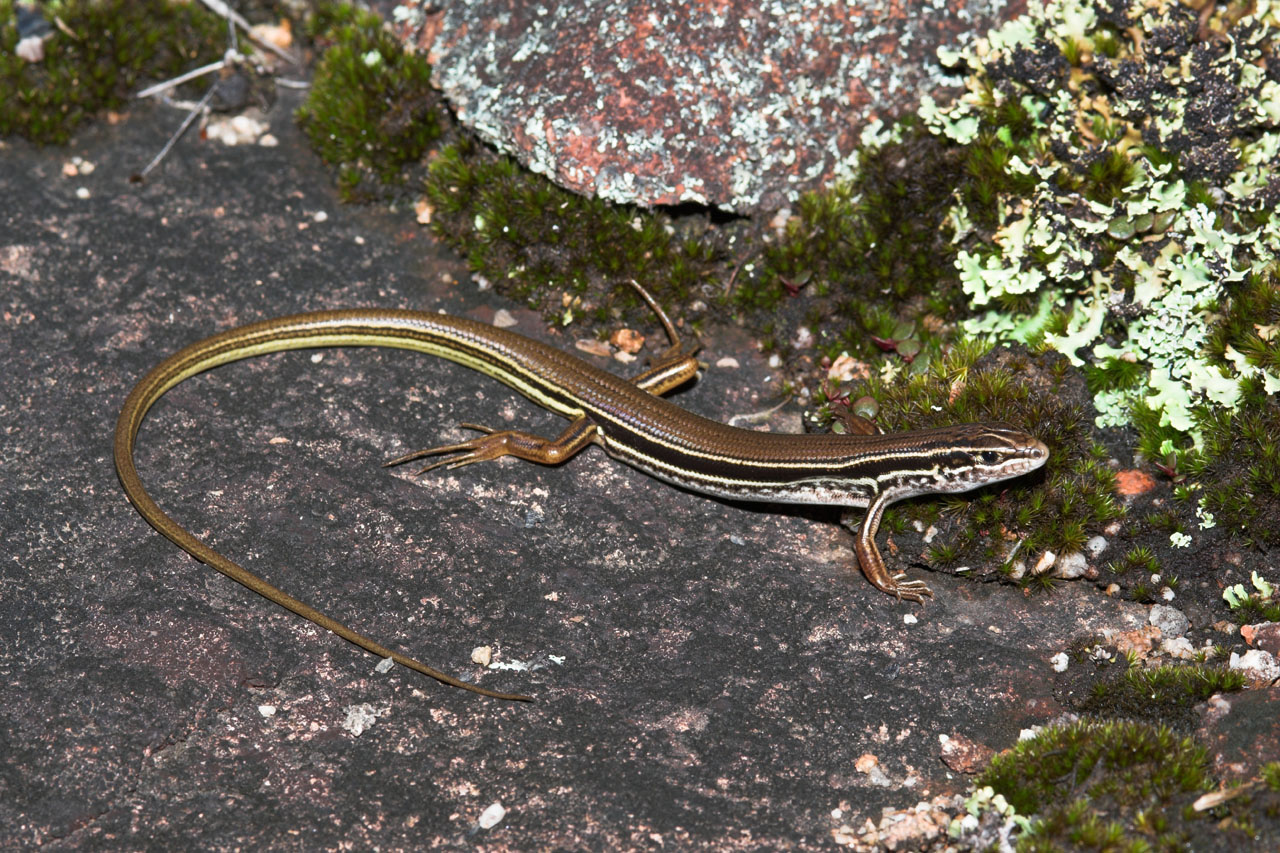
<point x="909" y="619"/>
<point x="775" y="361"/>
<point x="385" y="665"/>
<point x="267" y="710"/>
<point x="320" y="216"/>
<point x="503" y="319"/>
<point x="1060" y="662"/>
<point x="30" y="49"/>
<point x="490" y="817"/>
<point x="82" y="192"/>
<point x="1171" y="621"/>
<point x="1072" y="565"/>
<point x="268" y="140"/>
<point x="1256" y="664"/>
<point x="1045" y="562"/>
<point x="727" y="362"/>
<point x="1096" y="545"/>
<point x="482" y="655"/>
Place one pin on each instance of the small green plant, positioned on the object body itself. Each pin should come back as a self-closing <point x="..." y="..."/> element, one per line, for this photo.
<point x="371" y="111"/>
<point x="1137" y="559"/>
<point x="1259" y="604"/>
<point x="96" y="59"/>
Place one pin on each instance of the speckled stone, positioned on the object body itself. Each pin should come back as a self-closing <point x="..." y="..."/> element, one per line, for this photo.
<point x="741" y="105"/>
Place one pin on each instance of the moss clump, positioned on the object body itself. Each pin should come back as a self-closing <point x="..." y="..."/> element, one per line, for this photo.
<point x="371" y="111"/>
<point x="1232" y="480"/>
<point x="551" y="248"/>
<point x="1010" y="523"/>
<point x="873" y="256"/>
<point x="1238" y="467"/>
<point x="1163" y="694"/>
<point x="1116" y="787"/>
<point x="1248" y="332"/>
<point x="1113" y="786"/>
<point x="875" y="248"/>
<point x="1140" y="558"/>
<point x="98" y="60"/>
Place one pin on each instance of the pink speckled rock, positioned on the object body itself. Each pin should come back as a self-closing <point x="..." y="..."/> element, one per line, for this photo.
<point x="737" y="104"/>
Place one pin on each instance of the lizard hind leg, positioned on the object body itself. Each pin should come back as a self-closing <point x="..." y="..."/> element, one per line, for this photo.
<point x="496" y="444"/>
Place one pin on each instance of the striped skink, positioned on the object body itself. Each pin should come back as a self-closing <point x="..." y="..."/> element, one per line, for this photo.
<point x="628" y="419"/>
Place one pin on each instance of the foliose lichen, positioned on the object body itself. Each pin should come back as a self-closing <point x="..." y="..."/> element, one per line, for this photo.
<point x="1148" y="145"/>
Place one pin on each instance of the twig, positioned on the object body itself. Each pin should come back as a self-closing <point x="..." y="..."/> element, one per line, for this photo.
<point x="186" y="123"/>
<point x="182" y="78"/>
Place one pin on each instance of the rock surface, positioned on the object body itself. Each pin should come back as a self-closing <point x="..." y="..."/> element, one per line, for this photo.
<point x="708" y="675"/>
<point x="737" y="104"/>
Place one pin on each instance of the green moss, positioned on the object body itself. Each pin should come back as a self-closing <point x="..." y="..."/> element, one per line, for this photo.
<point x="1114" y="374"/>
<point x="1140" y="559"/>
<point x="559" y="251"/>
<point x="871" y="239"/>
<point x="371" y="111"/>
<point x="871" y="256"/>
<point x="1164" y="694"/>
<point x="1248" y="332"/>
<point x="1271" y="775"/>
<point x="1112" y="787"/>
<point x="1233" y="478"/>
<point x="1239" y="467"/>
<point x="1102" y="786"/>
<point x="1056" y="510"/>
<point x="96" y="63"/>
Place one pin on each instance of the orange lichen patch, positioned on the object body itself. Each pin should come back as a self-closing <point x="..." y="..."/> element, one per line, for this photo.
<point x="1133" y="482"/>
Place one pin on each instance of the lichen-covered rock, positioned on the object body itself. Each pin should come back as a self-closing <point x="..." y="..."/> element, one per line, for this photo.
<point x="740" y="105"/>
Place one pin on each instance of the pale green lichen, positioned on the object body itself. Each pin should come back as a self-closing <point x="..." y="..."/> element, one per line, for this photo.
<point x="1139" y="269"/>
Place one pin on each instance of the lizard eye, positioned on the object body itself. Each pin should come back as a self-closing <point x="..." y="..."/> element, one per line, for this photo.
<point x="990" y="457"/>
